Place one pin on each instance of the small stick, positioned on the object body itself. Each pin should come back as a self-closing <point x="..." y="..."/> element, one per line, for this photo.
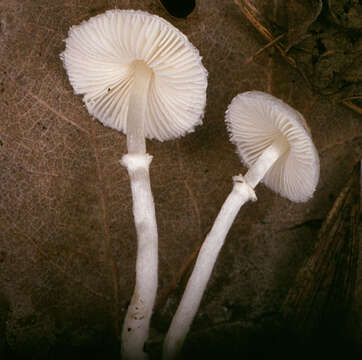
<point x="263" y="30"/>
<point x="181" y="273"/>
<point x="271" y="43"/>
<point x="352" y="106"/>
<point x="356" y="97"/>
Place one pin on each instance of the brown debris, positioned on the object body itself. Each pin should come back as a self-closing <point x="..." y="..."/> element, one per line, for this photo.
<point x="323" y="291"/>
<point x="326" y="58"/>
<point x="251" y="13"/>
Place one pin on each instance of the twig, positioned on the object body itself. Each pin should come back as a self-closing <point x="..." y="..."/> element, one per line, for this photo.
<point x="164" y="295"/>
<point x="248" y="9"/>
<point x="356" y="97"/>
<point x="271" y="43"/>
<point x="352" y="106"/>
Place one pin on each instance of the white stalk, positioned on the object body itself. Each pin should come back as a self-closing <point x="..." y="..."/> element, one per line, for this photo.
<point x="137" y="321"/>
<point x="241" y="193"/>
<point x="136" y="142"/>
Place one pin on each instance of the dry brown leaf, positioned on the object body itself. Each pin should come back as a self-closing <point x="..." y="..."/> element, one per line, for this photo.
<point x="67" y="238"/>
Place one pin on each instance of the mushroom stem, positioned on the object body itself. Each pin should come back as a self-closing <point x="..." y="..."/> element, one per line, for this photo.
<point x="136" y="142"/>
<point x="242" y="192"/>
<point x="266" y="160"/>
<point x="136" y="323"/>
<point x="137" y="161"/>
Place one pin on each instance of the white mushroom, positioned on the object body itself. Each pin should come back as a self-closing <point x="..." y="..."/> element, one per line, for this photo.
<point x="139" y="75"/>
<point x="274" y="141"/>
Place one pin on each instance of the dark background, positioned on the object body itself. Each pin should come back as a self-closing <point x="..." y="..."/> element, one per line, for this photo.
<point x="67" y="239"/>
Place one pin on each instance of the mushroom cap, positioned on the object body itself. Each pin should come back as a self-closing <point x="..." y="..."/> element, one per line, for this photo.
<point x="255" y="120"/>
<point x="99" y="58"/>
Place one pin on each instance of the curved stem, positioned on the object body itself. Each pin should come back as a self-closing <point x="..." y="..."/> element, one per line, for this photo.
<point x="137" y="321"/>
<point x="241" y="193"/>
<point x="266" y="161"/>
<point x="196" y="285"/>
